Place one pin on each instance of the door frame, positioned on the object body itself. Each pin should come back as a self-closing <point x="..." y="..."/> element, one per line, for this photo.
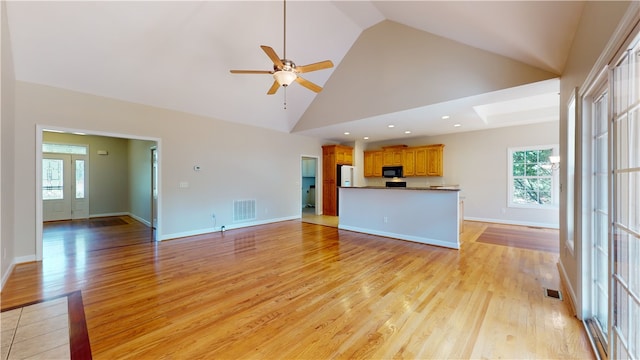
<point x="40" y="128"/>
<point x="302" y="157"/>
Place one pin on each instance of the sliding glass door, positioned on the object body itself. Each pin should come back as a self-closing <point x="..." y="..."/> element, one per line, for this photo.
<point x="599" y="224"/>
<point x="625" y="223"/>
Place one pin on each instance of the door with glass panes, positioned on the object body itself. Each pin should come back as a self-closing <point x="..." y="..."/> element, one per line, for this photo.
<point x="64" y="187"/>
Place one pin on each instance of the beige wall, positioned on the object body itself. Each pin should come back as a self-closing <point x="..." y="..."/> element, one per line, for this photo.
<point x="140" y="179"/>
<point x="381" y="74"/>
<point x="238" y="162"/>
<point x="478" y="162"/>
<point x="7" y="150"/>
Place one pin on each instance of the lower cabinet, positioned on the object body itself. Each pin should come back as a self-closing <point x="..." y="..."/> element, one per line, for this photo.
<point x="329" y="197"/>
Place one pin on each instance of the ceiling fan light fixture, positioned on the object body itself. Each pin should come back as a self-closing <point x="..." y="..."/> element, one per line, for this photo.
<point x="285" y="78"/>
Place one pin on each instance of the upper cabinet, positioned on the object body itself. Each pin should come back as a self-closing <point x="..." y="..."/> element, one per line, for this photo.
<point x="393" y="155"/>
<point x="373" y="163"/>
<point x="416" y="161"/>
<point x="409" y="162"/>
<point x="434" y="160"/>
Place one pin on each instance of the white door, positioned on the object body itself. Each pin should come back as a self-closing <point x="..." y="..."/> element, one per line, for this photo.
<point x="64" y="187"/>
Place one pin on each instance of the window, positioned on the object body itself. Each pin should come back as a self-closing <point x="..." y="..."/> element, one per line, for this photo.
<point x="52" y="179"/>
<point x="532" y="180"/>
<point x="64" y="149"/>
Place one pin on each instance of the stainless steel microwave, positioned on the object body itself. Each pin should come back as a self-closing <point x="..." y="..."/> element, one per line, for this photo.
<point x="392" y="171"/>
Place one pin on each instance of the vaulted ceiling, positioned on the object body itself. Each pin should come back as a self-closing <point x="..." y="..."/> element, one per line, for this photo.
<point x="484" y="64"/>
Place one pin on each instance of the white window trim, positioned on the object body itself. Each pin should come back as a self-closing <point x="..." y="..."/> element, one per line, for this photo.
<point x="555" y="148"/>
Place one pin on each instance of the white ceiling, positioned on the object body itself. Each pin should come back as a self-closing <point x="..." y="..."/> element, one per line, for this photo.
<point x="177" y="55"/>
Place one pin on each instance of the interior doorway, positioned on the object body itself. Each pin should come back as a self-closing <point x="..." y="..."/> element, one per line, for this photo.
<point x="309" y="166"/>
<point x="128" y="166"/>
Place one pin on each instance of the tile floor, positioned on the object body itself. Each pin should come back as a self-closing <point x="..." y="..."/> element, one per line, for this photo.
<point x="38" y="331"/>
<point x="309" y="216"/>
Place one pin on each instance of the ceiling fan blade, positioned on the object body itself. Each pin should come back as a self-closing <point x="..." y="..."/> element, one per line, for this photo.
<point x="308" y="84"/>
<point x="251" y="72"/>
<point x="273" y="56"/>
<point x="315" y="66"/>
<point x="273" y="88"/>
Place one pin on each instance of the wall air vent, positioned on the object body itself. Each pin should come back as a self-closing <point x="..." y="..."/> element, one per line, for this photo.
<point x="244" y="210"/>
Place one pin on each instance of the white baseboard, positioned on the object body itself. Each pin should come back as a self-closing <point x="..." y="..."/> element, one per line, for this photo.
<point x="514" y="222"/>
<point x="6" y="275"/>
<point x="139" y="219"/>
<point x="24" y="259"/>
<point x="109" y="214"/>
<point x="564" y="278"/>
<point x="17" y="260"/>
<point x="227" y="227"/>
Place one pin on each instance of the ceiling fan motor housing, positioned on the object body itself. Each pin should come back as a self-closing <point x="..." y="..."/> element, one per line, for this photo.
<point x="287" y="65"/>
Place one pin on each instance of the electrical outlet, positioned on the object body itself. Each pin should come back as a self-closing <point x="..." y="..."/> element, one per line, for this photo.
<point x="386" y="219"/>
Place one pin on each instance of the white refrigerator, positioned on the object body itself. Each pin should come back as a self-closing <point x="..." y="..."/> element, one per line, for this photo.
<point x="345" y="175"/>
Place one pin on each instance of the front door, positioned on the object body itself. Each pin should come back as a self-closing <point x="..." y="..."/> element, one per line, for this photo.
<point x="64" y="187"/>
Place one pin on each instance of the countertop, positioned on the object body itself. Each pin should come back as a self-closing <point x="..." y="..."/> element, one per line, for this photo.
<point x="430" y="188"/>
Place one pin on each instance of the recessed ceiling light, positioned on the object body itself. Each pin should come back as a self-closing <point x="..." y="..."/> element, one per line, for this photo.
<point x="457" y="125"/>
<point x="347" y="133"/>
<point x="391" y="126"/>
<point x="445" y="117"/>
<point x="366" y="138"/>
<point x="407" y="132"/>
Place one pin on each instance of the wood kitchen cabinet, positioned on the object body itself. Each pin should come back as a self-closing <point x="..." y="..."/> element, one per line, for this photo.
<point x="373" y="163"/>
<point x="434" y="160"/>
<point x="428" y="160"/>
<point x="393" y="155"/>
<point x="332" y="156"/>
<point x="421" y="161"/>
<point x="415" y="161"/>
<point x="409" y="163"/>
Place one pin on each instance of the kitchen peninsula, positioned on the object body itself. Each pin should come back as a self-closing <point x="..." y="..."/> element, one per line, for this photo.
<point x="425" y="215"/>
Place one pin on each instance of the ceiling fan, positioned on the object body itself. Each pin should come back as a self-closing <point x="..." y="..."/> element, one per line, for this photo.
<point x="286" y="71"/>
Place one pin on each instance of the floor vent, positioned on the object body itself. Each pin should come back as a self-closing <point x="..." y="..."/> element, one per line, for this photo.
<point x="551" y="293"/>
<point x="244" y="210"/>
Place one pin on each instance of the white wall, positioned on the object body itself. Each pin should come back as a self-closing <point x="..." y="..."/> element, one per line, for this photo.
<point x="237" y="161"/>
<point x="7" y="150"/>
<point x="478" y="162"/>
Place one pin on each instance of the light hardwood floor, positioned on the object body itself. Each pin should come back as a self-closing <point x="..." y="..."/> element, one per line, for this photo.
<point x="295" y="290"/>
